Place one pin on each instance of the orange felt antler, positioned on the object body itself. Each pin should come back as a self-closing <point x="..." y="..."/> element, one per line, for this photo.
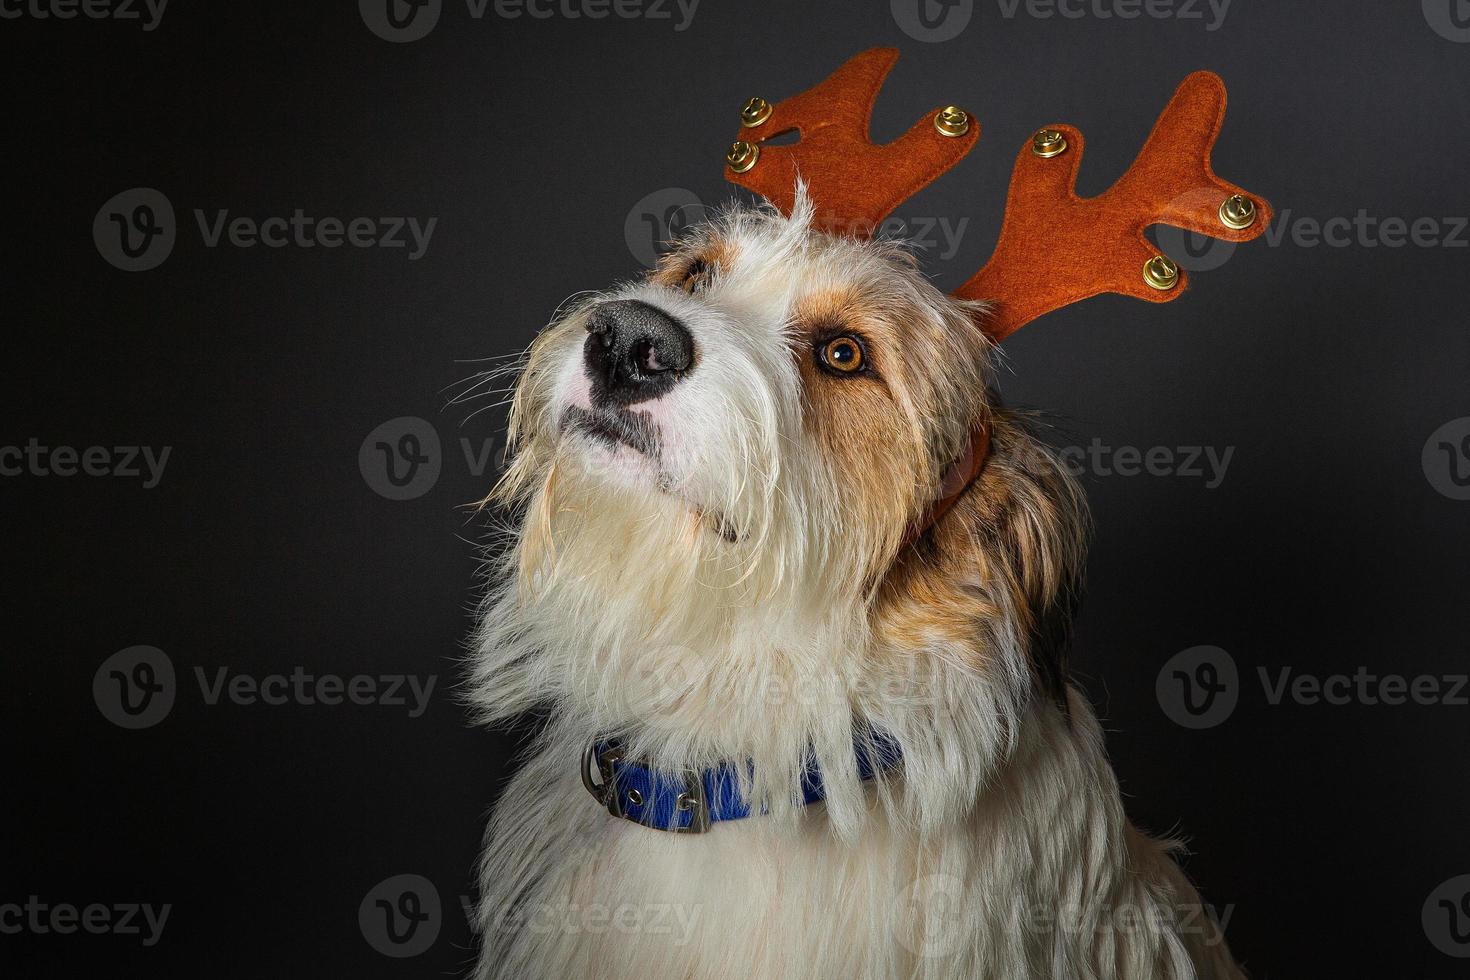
<point x="1056" y="248"/>
<point x="853" y="183"/>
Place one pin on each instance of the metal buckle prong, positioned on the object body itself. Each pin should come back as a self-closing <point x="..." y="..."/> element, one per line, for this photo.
<point x="693" y="802"/>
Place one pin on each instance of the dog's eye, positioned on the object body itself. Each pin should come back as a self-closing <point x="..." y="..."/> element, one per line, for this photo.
<point x="842" y="355"/>
<point x="697" y="277"/>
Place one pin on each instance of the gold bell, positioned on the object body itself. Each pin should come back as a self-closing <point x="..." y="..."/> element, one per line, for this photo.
<point x="1238" y="212"/>
<point x="1161" y="273"/>
<point x="755" y="112"/>
<point x="952" y="121"/>
<point x="1048" y="143"/>
<point x="742" y="156"/>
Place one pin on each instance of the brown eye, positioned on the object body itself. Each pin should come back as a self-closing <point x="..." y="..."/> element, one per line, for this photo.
<point x="696" y="277"/>
<point x="843" y="355"/>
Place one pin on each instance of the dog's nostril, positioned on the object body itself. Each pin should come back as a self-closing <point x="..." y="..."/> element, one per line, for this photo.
<point x="648" y="358"/>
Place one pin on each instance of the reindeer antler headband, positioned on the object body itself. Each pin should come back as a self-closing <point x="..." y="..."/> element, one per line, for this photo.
<point x="1055" y="248"/>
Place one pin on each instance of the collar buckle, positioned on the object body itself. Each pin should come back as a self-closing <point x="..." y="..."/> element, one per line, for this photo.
<point x="692" y="800"/>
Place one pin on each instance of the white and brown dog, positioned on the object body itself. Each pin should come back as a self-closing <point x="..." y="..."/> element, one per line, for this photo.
<point x="714" y="602"/>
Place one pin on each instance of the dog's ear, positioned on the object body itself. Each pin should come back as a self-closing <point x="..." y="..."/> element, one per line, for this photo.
<point x="1026" y="522"/>
<point x="1007" y="558"/>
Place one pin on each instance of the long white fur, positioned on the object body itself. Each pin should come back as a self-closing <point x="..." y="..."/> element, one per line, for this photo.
<point x="616" y="609"/>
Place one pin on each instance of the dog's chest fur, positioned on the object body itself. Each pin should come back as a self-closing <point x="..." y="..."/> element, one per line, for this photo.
<point x="1044" y="877"/>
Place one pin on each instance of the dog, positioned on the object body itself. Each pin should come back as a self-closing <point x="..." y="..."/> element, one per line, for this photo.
<point x="719" y="563"/>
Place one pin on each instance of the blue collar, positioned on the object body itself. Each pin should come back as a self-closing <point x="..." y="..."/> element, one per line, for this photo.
<point x="689" y="801"/>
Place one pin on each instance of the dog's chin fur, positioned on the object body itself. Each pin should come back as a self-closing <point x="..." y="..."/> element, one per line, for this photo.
<point x="743" y="592"/>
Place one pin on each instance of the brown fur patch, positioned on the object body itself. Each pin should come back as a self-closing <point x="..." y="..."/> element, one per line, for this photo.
<point x="718" y="254"/>
<point x="858" y="420"/>
<point x="1011" y="550"/>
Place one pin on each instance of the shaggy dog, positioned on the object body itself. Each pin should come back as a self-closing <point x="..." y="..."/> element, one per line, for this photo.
<point x="718" y="471"/>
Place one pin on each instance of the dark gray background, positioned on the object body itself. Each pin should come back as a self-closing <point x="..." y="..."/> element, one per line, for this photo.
<point x="1326" y="548"/>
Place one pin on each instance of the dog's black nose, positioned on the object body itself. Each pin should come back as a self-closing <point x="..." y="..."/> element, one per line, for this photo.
<point x="635" y="351"/>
